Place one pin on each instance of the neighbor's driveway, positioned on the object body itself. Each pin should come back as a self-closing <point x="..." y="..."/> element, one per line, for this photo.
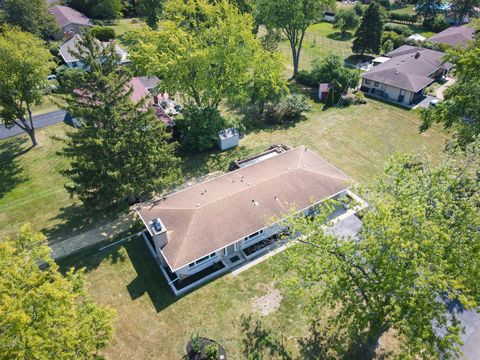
<point x="39" y="121"/>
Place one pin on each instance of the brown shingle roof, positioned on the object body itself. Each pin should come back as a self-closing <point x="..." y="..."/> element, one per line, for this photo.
<point x="211" y="215"/>
<point x="454" y="35"/>
<point x="66" y="15"/>
<point x="409" y="68"/>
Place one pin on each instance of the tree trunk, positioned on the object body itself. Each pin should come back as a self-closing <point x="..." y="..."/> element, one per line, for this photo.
<point x="295" y="57"/>
<point x="31" y="134"/>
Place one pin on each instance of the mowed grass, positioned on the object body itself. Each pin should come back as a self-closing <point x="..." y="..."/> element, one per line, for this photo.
<point x="152" y="324"/>
<point x="122" y="26"/>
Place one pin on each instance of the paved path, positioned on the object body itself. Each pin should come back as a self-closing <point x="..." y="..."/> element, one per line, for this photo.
<point x="441" y="89"/>
<point x="39" y="121"/>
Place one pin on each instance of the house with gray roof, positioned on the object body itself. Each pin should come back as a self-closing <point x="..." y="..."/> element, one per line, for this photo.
<point x="454" y="36"/>
<point x="404" y="77"/>
<point x="72" y="45"/>
<point x="216" y="225"/>
<point x="71" y="21"/>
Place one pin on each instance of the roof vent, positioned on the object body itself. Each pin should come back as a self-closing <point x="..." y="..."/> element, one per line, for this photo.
<point x="197" y="205"/>
<point x="249" y="184"/>
<point x="255" y="202"/>
<point x="417" y="54"/>
<point x="157" y="225"/>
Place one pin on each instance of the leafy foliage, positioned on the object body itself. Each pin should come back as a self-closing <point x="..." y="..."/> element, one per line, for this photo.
<point x="368" y="36"/>
<point x="428" y="9"/>
<point x="292" y="17"/>
<point x="151" y="9"/>
<point x="346" y="20"/>
<point x="403" y="17"/>
<point x="460" y="109"/>
<point x="103" y="33"/>
<point x="407" y="262"/>
<point x="30" y="16"/>
<point x="121" y="150"/>
<point x="98" y="9"/>
<point x="44" y="315"/>
<point x="462" y="9"/>
<point x="290" y="107"/>
<point x="25" y="64"/>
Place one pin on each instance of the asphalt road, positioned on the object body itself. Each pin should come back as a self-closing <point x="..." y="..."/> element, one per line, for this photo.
<point x="39" y="121"/>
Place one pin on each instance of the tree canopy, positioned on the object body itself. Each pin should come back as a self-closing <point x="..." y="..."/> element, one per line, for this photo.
<point x="43" y="314"/>
<point x="417" y="251"/>
<point x="29" y="15"/>
<point x="345" y="20"/>
<point x="460" y="109"/>
<point x="25" y="64"/>
<point x="121" y="150"/>
<point x="368" y="37"/>
<point x="293" y="17"/>
<point x="206" y="52"/>
<point x="464" y="9"/>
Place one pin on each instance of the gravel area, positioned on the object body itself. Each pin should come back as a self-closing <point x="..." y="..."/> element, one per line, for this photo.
<point x="269" y="303"/>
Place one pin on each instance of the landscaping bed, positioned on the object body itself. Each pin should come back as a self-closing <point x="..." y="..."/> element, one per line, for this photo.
<point x="201" y="348"/>
<point x="180" y="284"/>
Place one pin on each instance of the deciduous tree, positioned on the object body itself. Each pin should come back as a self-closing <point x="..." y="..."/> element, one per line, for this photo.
<point x="417" y="251"/>
<point x="464" y="9"/>
<point x="346" y="20"/>
<point x="29" y="15"/>
<point x="293" y="17"/>
<point x="460" y="109"/>
<point x="25" y="64"/>
<point x="121" y="150"/>
<point x="368" y="37"/>
<point x="43" y="314"/>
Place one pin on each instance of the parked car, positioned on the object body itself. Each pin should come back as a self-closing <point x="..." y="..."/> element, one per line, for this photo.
<point x="434" y="102"/>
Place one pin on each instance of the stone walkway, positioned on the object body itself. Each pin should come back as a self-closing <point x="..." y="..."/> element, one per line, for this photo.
<point x="441" y="89"/>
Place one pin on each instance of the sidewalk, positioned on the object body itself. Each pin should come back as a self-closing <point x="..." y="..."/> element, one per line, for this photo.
<point x="441" y="89"/>
<point x="88" y="238"/>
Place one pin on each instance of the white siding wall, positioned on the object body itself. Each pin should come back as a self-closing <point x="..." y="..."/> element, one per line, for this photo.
<point x="391" y="92"/>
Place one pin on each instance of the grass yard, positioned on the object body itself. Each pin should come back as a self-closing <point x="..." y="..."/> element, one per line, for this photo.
<point x="122" y="26"/>
<point x="320" y="40"/>
<point x="357" y="139"/>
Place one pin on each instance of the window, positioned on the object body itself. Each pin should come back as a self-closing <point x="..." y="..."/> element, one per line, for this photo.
<point x="201" y="260"/>
<point x="367" y="81"/>
<point x="376" y="83"/>
<point x="252" y="236"/>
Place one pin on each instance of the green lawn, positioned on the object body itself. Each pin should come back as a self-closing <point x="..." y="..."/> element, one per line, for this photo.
<point x="122" y="26"/>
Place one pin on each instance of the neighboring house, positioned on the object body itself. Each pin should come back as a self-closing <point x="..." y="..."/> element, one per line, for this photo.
<point x="70" y="20"/>
<point x="143" y="87"/>
<point x="454" y="36"/>
<point x="209" y="228"/>
<point x="405" y="75"/>
<point x="72" y="45"/>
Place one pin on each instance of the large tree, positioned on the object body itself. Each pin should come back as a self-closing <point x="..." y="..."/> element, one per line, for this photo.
<point x="464" y="9"/>
<point x="460" y="109"/>
<point x="368" y="37"/>
<point x="293" y="17"/>
<point x="29" y="15"/>
<point x="206" y="52"/>
<point x="25" y="64"/>
<point x="105" y="9"/>
<point x="345" y="20"/>
<point x="428" y="9"/>
<point x="43" y="314"/>
<point x="417" y="251"/>
<point x="121" y="150"/>
<point x="151" y="9"/>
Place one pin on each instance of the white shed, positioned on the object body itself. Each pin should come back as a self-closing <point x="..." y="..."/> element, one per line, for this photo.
<point x="228" y="138"/>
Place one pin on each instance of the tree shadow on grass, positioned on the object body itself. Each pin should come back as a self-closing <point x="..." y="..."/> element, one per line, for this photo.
<point x="338" y="36"/>
<point x="260" y="342"/>
<point x="11" y="171"/>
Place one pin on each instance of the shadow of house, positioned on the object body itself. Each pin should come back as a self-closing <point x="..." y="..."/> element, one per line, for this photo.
<point x="11" y="171"/>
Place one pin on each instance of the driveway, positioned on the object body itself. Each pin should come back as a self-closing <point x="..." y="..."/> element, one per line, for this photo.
<point x="425" y="102"/>
<point x="39" y="121"/>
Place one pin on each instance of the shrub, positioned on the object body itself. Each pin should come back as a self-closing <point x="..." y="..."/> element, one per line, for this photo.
<point x="387" y="46"/>
<point x="54" y="48"/>
<point x="199" y="127"/>
<point x="359" y="9"/>
<point x="307" y="78"/>
<point x="290" y="107"/>
<point x="385" y="3"/>
<point x="436" y="24"/>
<point x="360" y="98"/>
<point x="399" y="29"/>
<point x="395" y="38"/>
<point x="103" y="33"/>
<point x="403" y="17"/>
<point x="211" y="351"/>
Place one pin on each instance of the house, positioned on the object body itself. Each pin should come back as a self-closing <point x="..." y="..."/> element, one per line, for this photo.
<point x="72" y="45"/>
<point x="454" y="36"/>
<point x="209" y="228"/>
<point x="70" y="20"/>
<point x="144" y="87"/>
<point x="405" y="75"/>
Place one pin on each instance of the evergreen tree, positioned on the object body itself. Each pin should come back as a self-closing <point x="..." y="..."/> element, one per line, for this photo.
<point x="464" y="9"/>
<point x="43" y="314"/>
<point x="152" y="10"/>
<point x="121" y="150"/>
<point x="428" y="9"/>
<point x="368" y="37"/>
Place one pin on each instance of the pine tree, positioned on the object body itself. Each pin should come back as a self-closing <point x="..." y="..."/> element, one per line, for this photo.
<point x="121" y="150"/>
<point x="368" y="37"/>
<point x="464" y="9"/>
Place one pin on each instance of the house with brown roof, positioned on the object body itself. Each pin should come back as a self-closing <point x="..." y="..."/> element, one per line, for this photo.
<point x="70" y="20"/>
<point x="214" y="226"/>
<point x="458" y="35"/>
<point x="405" y="74"/>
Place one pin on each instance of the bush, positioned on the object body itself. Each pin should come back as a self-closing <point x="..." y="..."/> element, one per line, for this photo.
<point x="360" y="98"/>
<point x="65" y="73"/>
<point x="307" y="78"/>
<point x="396" y="39"/>
<point x="403" y="17"/>
<point x="199" y="127"/>
<point x="211" y="351"/>
<point x="359" y="9"/>
<point x="436" y="24"/>
<point x="385" y="3"/>
<point x="103" y="33"/>
<point x="399" y="29"/>
<point x="288" y="108"/>
<point x="54" y="48"/>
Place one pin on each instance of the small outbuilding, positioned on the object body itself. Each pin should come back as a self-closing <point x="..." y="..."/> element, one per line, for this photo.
<point x="323" y="92"/>
<point x="228" y="138"/>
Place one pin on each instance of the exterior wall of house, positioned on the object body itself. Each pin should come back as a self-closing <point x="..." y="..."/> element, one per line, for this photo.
<point x="387" y="92"/>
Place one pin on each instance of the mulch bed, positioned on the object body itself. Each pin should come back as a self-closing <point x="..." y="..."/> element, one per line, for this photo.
<point x="191" y="355"/>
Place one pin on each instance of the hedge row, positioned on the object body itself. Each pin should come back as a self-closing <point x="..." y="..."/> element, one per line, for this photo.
<point x="403" y="17"/>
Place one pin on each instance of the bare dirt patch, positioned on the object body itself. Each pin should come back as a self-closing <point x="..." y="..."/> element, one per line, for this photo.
<point x="269" y="303"/>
